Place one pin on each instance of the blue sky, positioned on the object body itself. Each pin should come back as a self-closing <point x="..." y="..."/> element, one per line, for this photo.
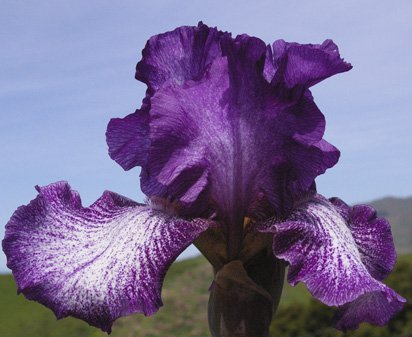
<point x="66" y="68"/>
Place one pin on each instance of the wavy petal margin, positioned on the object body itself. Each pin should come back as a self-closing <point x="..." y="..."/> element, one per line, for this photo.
<point x="220" y="109"/>
<point x="96" y="263"/>
<point x="292" y="64"/>
<point x="178" y="56"/>
<point x="337" y="251"/>
<point x="128" y="139"/>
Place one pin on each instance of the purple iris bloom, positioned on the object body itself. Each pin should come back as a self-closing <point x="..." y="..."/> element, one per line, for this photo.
<point x="229" y="141"/>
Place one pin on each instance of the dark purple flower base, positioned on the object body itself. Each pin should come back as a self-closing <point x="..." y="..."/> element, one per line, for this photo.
<point x="240" y="306"/>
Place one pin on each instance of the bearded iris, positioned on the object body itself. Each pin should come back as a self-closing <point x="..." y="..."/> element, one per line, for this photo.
<point x="229" y="141"/>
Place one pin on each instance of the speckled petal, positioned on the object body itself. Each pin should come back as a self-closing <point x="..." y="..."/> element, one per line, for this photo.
<point x="372" y="235"/>
<point x="331" y="251"/>
<point x="375" y="307"/>
<point x="96" y="263"/>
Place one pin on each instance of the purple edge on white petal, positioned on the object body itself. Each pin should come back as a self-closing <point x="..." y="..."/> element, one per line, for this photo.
<point x="337" y="252"/>
<point x="96" y="263"/>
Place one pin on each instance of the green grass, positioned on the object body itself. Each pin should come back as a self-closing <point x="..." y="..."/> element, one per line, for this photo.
<point x="184" y="313"/>
<point x="313" y="319"/>
<point x="185" y="296"/>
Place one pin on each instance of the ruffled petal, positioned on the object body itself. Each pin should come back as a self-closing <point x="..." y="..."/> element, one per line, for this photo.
<point x="96" y="263"/>
<point x="177" y="56"/>
<point x="128" y="139"/>
<point x="173" y="57"/>
<point x="309" y="161"/>
<point x="375" y="307"/>
<point x="293" y="64"/>
<point x="331" y="249"/>
<point x="246" y="142"/>
<point x="372" y="235"/>
<point x="224" y="127"/>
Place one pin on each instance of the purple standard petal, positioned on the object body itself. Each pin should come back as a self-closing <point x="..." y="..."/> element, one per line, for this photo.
<point x="96" y="263"/>
<point x="173" y="57"/>
<point x="338" y="253"/>
<point x="177" y="56"/>
<point x="128" y="139"/>
<point x="232" y="133"/>
<point x="220" y="136"/>
<point x="293" y="64"/>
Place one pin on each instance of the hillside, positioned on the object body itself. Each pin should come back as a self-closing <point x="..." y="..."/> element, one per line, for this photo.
<point x="185" y="298"/>
<point x="399" y="212"/>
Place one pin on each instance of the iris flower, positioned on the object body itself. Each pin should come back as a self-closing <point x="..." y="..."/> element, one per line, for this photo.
<point x="229" y="141"/>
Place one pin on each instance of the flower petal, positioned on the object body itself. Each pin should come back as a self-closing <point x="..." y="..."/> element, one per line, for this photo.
<point x="331" y="249"/>
<point x="375" y="307"/>
<point x="173" y="57"/>
<point x="177" y="56"/>
<point x="96" y="263"/>
<point x="246" y="141"/>
<point x="128" y="139"/>
<point x="294" y="64"/>
<point x="372" y="236"/>
<point x="224" y="126"/>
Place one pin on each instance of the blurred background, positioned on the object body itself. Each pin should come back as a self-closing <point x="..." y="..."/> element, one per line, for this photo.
<point x="66" y="68"/>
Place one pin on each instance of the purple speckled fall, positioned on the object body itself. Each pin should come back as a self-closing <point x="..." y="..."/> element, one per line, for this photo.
<point x="229" y="139"/>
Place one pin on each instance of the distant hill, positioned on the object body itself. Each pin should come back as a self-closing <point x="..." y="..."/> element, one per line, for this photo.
<point x="399" y="212"/>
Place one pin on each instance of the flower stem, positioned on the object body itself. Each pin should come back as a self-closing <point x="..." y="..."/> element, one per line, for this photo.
<point x="244" y="296"/>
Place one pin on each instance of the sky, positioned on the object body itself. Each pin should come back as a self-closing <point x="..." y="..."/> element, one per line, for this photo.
<point x="67" y="67"/>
